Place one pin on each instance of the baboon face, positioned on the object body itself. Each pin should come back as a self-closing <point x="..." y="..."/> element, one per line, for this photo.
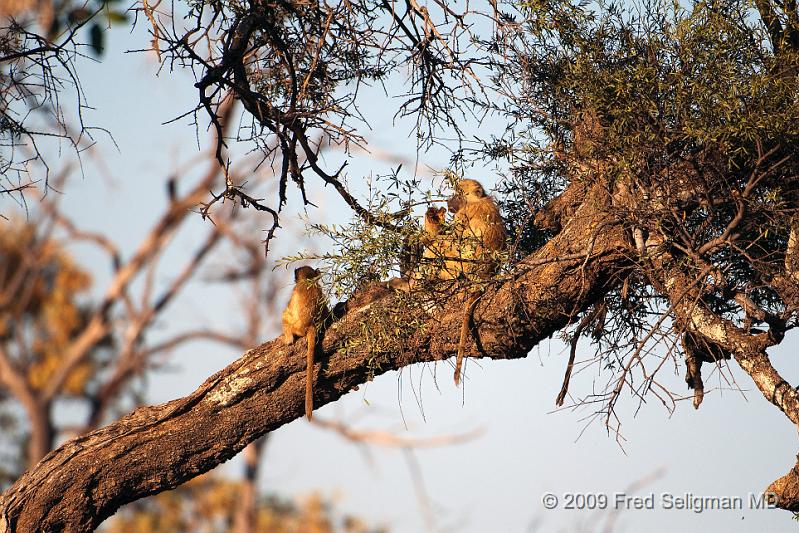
<point x="467" y="190"/>
<point x="455" y="203"/>
<point x="305" y="272"/>
<point x="435" y="216"/>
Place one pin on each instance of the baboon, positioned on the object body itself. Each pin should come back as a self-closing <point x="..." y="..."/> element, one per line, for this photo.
<point x="478" y="231"/>
<point x="436" y="245"/>
<point x="478" y="234"/>
<point x="303" y="317"/>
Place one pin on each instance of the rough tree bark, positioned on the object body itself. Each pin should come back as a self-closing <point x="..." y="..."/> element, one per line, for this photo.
<point x="78" y="485"/>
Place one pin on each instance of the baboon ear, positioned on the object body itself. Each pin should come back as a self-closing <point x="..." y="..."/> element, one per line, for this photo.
<point x="442" y="211"/>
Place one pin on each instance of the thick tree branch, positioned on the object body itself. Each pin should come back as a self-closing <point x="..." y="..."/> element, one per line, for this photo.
<point x="748" y="348"/>
<point x="156" y="448"/>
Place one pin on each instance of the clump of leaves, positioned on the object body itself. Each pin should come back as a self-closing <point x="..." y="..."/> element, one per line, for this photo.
<point x="361" y="250"/>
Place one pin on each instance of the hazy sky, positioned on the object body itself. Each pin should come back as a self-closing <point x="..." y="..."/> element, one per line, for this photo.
<point x="733" y="446"/>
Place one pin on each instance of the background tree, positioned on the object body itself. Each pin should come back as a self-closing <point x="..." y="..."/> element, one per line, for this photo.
<point x="50" y="322"/>
<point x="653" y="147"/>
<point x="208" y="503"/>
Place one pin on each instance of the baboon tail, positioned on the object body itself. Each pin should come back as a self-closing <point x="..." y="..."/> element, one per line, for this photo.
<point x="311" y="336"/>
<point x="464" y="332"/>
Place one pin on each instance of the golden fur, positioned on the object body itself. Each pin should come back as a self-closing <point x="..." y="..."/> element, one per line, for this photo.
<point x="304" y="314"/>
<point x="478" y="231"/>
<point x="478" y="234"/>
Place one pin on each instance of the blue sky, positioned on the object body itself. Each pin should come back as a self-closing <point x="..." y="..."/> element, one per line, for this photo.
<point x="735" y="444"/>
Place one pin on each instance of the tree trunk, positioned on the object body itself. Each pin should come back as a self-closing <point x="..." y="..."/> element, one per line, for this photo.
<point x="41" y="433"/>
<point x="245" y="518"/>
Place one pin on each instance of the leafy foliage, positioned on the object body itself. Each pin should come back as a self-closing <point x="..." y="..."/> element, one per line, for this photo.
<point x="689" y="106"/>
<point x="48" y="312"/>
<point x="369" y="250"/>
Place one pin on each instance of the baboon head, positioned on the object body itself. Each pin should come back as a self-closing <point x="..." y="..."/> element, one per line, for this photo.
<point x="306" y="273"/>
<point x="466" y="191"/>
<point x="434" y="216"/>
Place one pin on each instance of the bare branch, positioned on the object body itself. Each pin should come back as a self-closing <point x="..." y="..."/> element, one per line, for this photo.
<point x="389" y="439"/>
